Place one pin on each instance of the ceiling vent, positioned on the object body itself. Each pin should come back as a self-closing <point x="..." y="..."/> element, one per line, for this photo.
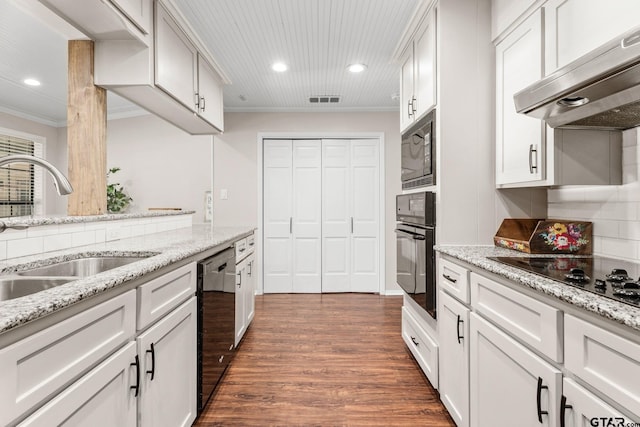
<point x="324" y="99"/>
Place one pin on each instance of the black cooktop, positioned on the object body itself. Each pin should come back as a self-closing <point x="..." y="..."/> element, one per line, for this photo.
<point x="612" y="278"/>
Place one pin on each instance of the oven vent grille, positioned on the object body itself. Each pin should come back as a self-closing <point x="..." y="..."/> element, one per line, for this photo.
<point x="418" y="182"/>
<point x="324" y="99"/>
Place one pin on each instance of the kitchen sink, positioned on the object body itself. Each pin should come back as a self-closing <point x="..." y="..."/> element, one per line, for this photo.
<point x="16" y="287"/>
<point x="82" y="267"/>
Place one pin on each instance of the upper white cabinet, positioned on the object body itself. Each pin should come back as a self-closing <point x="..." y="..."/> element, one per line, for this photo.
<point x="418" y="75"/>
<point x="520" y="140"/>
<point x="107" y="19"/>
<point x="529" y="153"/>
<point x="575" y="27"/>
<point x="505" y="12"/>
<point x="169" y="77"/>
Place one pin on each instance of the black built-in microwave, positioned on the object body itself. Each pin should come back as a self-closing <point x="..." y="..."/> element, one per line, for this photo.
<point x="418" y="164"/>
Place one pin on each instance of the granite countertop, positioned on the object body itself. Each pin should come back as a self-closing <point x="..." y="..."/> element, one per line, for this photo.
<point x="32" y="221"/>
<point x="162" y="248"/>
<point x="477" y="255"/>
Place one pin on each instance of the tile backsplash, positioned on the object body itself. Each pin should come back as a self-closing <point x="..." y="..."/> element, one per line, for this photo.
<point x="47" y="238"/>
<point x="614" y="210"/>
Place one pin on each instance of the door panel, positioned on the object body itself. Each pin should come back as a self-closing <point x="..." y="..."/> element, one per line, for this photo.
<point x="364" y="270"/>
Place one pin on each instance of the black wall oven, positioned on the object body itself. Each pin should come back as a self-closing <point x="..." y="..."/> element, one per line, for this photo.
<point x="418" y="164"/>
<point x="415" y="254"/>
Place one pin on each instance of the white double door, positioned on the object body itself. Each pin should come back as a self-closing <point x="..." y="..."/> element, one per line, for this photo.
<point x="321" y="215"/>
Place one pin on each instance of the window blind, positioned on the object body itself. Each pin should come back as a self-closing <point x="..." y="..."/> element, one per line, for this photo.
<point x="17" y="180"/>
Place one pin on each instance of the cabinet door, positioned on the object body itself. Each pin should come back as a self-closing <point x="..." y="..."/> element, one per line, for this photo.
<point x="250" y="294"/>
<point x="364" y="194"/>
<point x="210" y="106"/>
<point x="336" y="218"/>
<point x="277" y="220"/>
<point x="241" y="285"/>
<point x="167" y="353"/>
<point x="101" y="397"/>
<point x="578" y="407"/>
<point x="425" y="67"/>
<point x="507" y="381"/>
<point x="176" y="60"/>
<point x="407" y="115"/>
<point x="575" y="27"/>
<point x="138" y="11"/>
<point x="453" y="321"/>
<point x="519" y="139"/>
<point x="307" y="223"/>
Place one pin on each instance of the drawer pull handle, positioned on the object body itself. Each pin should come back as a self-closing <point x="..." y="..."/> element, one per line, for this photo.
<point x="136" y="387"/>
<point x="221" y="359"/>
<point x="222" y="267"/>
<point x="458" y="327"/>
<point x="413" y="339"/>
<point x="539" y="400"/>
<point x="153" y="362"/>
<point x="449" y="278"/>
<point x="563" y="408"/>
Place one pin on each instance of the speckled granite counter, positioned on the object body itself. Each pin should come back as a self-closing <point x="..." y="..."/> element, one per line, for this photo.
<point x="477" y="256"/>
<point x="51" y="220"/>
<point x="164" y="249"/>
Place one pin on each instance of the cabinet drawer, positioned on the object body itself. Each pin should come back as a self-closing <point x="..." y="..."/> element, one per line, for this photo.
<point x="241" y="249"/>
<point x="605" y="360"/>
<point x="159" y="296"/>
<point x="102" y="397"/>
<point x="423" y="348"/>
<point x="251" y="243"/>
<point x="527" y="319"/>
<point x="38" y="366"/>
<point x="454" y="279"/>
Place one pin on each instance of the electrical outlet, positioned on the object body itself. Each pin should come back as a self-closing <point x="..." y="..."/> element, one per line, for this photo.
<point x="224" y="194"/>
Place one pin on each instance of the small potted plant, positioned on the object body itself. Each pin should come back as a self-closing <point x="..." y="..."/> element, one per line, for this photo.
<point x="117" y="198"/>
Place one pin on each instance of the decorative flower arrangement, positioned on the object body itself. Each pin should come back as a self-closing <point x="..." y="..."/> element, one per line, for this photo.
<point x="565" y="236"/>
<point x="117" y="198"/>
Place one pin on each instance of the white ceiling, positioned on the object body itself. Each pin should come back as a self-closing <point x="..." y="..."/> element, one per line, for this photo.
<point x="318" y="39"/>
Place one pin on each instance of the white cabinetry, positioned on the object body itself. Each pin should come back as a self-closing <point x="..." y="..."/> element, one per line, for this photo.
<point x="169" y="76"/>
<point x="520" y="140"/>
<point x="245" y="286"/>
<point x="418" y="73"/>
<point x="578" y="407"/>
<point x="107" y="19"/>
<point x="420" y="343"/>
<point x="104" y="394"/>
<point x="575" y="27"/>
<point x="453" y="324"/>
<point x="91" y="369"/>
<point x="509" y="385"/>
<point x="168" y="378"/>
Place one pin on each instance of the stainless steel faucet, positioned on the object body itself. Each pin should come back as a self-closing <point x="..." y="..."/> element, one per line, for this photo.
<point x="62" y="184"/>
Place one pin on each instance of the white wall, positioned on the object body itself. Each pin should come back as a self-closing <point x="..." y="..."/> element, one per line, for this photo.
<point x="161" y="166"/>
<point x="614" y="210"/>
<point x="236" y="163"/>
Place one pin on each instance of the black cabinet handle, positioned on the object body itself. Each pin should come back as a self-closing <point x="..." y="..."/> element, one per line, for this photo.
<point x="458" y="327"/>
<point x="136" y="387"/>
<point x="239" y="274"/>
<point x="449" y="278"/>
<point x="222" y="267"/>
<point x="250" y="269"/>
<point x="153" y="362"/>
<point x="539" y="400"/>
<point x="202" y="103"/>
<point x="413" y="339"/>
<point x="563" y="408"/>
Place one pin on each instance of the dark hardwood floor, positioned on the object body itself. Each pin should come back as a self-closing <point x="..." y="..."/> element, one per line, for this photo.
<point x="324" y="360"/>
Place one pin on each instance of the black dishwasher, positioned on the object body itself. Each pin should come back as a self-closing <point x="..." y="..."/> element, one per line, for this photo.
<point x="216" y="320"/>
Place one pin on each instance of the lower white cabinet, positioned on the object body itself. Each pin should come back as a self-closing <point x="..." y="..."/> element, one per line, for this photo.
<point x="453" y="319"/>
<point x="423" y="347"/>
<point x="245" y="295"/>
<point x="509" y="385"/>
<point x="168" y="378"/>
<point x="103" y="397"/>
<point x="578" y="407"/>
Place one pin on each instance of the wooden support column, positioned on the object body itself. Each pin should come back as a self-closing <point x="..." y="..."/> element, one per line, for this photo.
<point x="86" y="134"/>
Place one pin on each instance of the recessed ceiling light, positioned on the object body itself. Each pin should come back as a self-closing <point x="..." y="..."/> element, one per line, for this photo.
<point x="279" y="67"/>
<point x="357" y="68"/>
<point x="31" y="82"/>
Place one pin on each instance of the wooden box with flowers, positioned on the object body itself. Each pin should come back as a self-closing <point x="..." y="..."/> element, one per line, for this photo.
<point x="545" y="236"/>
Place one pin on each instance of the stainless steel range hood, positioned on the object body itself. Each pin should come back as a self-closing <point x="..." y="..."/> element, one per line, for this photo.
<point x="600" y="90"/>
